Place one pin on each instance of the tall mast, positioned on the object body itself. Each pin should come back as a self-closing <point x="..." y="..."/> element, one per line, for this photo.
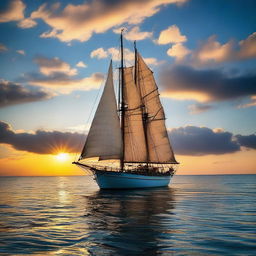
<point x="144" y="113"/>
<point x="122" y="102"/>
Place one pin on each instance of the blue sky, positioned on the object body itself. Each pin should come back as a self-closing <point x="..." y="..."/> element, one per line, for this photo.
<point x="43" y="41"/>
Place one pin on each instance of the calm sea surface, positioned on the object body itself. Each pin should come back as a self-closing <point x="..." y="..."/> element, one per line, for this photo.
<point x="196" y="215"/>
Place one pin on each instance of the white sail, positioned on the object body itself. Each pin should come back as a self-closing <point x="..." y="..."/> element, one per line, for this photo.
<point x="159" y="146"/>
<point x="134" y="138"/>
<point x="104" y="138"/>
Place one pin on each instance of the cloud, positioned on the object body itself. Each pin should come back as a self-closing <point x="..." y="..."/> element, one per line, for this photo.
<point x="62" y="83"/>
<point x="199" y="108"/>
<point x="189" y="140"/>
<point x="99" y="53"/>
<point x="211" y="51"/>
<point x="171" y="35"/>
<point x="58" y="76"/>
<point x="48" y="66"/>
<point x="252" y="103"/>
<point x="199" y="141"/>
<point x="152" y="61"/>
<point x="134" y="34"/>
<point x="41" y="142"/>
<point x="21" y="52"/>
<point x="114" y="53"/>
<point x="247" y="47"/>
<point x="80" y="22"/>
<point x="13" y="93"/>
<point x="81" y="64"/>
<point x="178" y="51"/>
<point x="14" y="11"/>
<point x="27" y="23"/>
<point x="183" y="82"/>
<point x="3" y="48"/>
<point x="248" y="141"/>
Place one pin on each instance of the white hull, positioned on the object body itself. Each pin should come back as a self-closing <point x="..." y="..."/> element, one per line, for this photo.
<point x="121" y="180"/>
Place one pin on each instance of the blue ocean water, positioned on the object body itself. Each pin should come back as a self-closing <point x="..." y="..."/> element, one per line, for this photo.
<point x="196" y="215"/>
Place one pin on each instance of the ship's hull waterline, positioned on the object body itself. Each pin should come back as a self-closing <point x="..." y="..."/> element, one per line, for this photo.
<point x="122" y="180"/>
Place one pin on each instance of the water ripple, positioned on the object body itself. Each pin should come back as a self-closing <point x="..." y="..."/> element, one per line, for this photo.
<point x="197" y="215"/>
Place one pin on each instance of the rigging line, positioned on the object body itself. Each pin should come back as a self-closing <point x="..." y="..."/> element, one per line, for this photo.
<point x="149" y="93"/>
<point x="156" y="113"/>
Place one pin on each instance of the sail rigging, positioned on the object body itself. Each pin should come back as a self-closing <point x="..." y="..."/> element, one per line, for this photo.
<point x="140" y="136"/>
<point x="159" y="146"/>
<point x="104" y="138"/>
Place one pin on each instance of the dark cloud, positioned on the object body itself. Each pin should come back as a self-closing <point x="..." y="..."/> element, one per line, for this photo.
<point x="248" y="141"/>
<point x="189" y="140"/>
<point x="41" y="142"/>
<point x="12" y="93"/>
<point x="192" y="140"/>
<point x="214" y="84"/>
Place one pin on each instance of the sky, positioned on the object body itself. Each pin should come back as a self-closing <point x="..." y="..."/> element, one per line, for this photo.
<point x="54" y="56"/>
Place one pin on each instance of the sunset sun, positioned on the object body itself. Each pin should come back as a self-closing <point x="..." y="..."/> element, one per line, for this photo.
<point x="62" y="157"/>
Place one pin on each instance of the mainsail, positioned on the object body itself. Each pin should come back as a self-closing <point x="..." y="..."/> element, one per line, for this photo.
<point x="159" y="148"/>
<point x="104" y="138"/>
<point x="135" y="146"/>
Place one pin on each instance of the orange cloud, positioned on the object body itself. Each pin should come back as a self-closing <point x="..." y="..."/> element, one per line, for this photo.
<point x="213" y="51"/>
<point x="57" y="75"/>
<point x="171" y="35"/>
<point x="186" y="95"/>
<point x="178" y="51"/>
<point x="247" y="47"/>
<point x="49" y="66"/>
<point x="250" y="104"/>
<point x="64" y="84"/>
<point x="27" y="23"/>
<point x="79" y="22"/>
<point x="13" y="12"/>
<point x="81" y="64"/>
<point x="99" y="53"/>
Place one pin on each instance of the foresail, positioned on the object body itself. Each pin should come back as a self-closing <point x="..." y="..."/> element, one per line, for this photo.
<point x="104" y="137"/>
<point x="134" y="138"/>
<point x="159" y="146"/>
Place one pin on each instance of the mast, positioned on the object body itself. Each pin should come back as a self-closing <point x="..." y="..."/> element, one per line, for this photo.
<point x="122" y="102"/>
<point x="143" y="110"/>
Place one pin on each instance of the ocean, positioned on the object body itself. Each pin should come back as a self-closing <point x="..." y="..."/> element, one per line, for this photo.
<point x="195" y="215"/>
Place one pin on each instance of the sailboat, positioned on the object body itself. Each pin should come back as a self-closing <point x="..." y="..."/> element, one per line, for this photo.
<point x="127" y="145"/>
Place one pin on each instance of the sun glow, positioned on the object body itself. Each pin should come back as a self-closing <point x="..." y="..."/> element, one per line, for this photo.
<point x="62" y="157"/>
